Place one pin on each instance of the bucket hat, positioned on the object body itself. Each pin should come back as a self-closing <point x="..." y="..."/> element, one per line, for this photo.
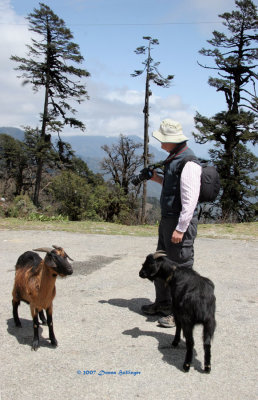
<point x="170" y="132"/>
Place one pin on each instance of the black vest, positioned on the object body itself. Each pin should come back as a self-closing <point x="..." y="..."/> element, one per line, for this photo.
<point x="170" y="200"/>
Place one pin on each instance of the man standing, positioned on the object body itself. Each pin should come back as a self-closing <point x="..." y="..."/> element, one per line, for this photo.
<point x="178" y="201"/>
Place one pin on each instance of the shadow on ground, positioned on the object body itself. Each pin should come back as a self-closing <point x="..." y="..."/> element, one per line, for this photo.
<point x="133" y="305"/>
<point x="24" y="335"/>
<point x="93" y="264"/>
<point x="172" y="355"/>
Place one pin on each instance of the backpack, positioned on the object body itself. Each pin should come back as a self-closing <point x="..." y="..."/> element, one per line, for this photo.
<point x="210" y="182"/>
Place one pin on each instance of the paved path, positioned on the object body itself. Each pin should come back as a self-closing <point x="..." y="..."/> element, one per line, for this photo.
<point x="101" y="331"/>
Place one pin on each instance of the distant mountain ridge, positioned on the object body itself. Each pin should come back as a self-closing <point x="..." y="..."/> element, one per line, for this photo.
<point x="16" y="133"/>
<point x="88" y="148"/>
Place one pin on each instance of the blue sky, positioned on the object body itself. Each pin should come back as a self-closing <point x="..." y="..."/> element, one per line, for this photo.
<point x="108" y="31"/>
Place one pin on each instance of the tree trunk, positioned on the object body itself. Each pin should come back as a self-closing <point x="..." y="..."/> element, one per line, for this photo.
<point x="146" y="147"/>
<point x="43" y="129"/>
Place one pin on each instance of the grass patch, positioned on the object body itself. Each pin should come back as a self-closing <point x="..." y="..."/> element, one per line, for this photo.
<point x="219" y="231"/>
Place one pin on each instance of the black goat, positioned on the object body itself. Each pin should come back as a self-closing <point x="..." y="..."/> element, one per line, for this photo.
<point x="35" y="284"/>
<point x="193" y="302"/>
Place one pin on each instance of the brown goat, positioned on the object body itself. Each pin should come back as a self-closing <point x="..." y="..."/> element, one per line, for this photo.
<point x="35" y="284"/>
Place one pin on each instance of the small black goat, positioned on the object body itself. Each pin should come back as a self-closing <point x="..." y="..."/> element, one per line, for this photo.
<point x="193" y="302"/>
<point x="35" y="284"/>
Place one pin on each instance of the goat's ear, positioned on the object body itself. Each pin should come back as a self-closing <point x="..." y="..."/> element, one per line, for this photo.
<point x="60" y="248"/>
<point x="68" y="257"/>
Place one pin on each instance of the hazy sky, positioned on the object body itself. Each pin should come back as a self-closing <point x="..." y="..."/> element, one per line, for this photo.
<point x="108" y="31"/>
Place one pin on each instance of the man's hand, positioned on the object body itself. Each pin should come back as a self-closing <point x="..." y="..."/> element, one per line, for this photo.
<point x="177" y="237"/>
<point x="156" y="177"/>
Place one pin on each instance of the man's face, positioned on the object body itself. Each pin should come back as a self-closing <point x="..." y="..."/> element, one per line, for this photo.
<point x="168" y="146"/>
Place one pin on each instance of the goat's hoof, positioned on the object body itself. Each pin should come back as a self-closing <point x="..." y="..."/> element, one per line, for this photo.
<point x="175" y="343"/>
<point x="18" y="325"/>
<point x="35" y="345"/>
<point x="207" y="369"/>
<point x="186" y="367"/>
<point x="54" y="342"/>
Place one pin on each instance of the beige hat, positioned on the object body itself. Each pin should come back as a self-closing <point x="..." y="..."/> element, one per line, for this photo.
<point x="170" y="132"/>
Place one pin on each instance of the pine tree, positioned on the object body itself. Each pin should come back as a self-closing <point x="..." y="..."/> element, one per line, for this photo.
<point x="51" y="64"/>
<point x="231" y="130"/>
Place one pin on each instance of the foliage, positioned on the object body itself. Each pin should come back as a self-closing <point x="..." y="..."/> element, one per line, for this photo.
<point x="18" y="162"/>
<point x="72" y="193"/>
<point x="36" y="216"/>
<point x="80" y="200"/>
<point x="153" y="214"/>
<point x="21" y="206"/>
<point x="51" y="64"/>
<point x="122" y="162"/>
<point x="150" y="66"/>
<point x="80" y="168"/>
<point x="231" y="130"/>
<point x="13" y="161"/>
<point x="242" y="184"/>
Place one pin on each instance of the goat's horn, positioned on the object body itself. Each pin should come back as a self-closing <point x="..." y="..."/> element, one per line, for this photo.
<point x="159" y="253"/>
<point x="45" y="249"/>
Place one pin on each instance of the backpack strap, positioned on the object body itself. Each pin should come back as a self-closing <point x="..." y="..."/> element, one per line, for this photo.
<point x="184" y="161"/>
<point x="180" y="169"/>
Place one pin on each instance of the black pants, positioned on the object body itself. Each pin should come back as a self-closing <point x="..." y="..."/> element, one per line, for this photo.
<point x="182" y="254"/>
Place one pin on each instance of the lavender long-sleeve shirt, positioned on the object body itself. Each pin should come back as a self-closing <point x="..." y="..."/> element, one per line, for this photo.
<point x="190" y="189"/>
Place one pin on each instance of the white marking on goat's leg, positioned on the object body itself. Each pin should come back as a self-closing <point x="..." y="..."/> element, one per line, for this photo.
<point x="42" y="317"/>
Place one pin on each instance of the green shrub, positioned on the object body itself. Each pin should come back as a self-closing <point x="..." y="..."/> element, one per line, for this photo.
<point x="21" y="206"/>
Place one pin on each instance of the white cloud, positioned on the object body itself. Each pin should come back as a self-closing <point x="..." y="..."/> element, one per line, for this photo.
<point x="126" y="96"/>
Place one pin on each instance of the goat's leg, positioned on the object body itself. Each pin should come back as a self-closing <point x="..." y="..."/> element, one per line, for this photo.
<point x="207" y="358"/>
<point x="35" y="342"/>
<point x="188" y="334"/>
<point x="15" y="313"/>
<point x="178" y="332"/>
<point x="42" y="317"/>
<point x="208" y="331"/>
<point x="50" y="326"/>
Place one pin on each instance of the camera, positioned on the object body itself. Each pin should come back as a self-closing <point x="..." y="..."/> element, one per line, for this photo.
<point x="145" y="174"/>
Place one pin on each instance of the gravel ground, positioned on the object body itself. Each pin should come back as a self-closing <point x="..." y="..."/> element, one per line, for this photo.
<point x="107" y="348"/>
